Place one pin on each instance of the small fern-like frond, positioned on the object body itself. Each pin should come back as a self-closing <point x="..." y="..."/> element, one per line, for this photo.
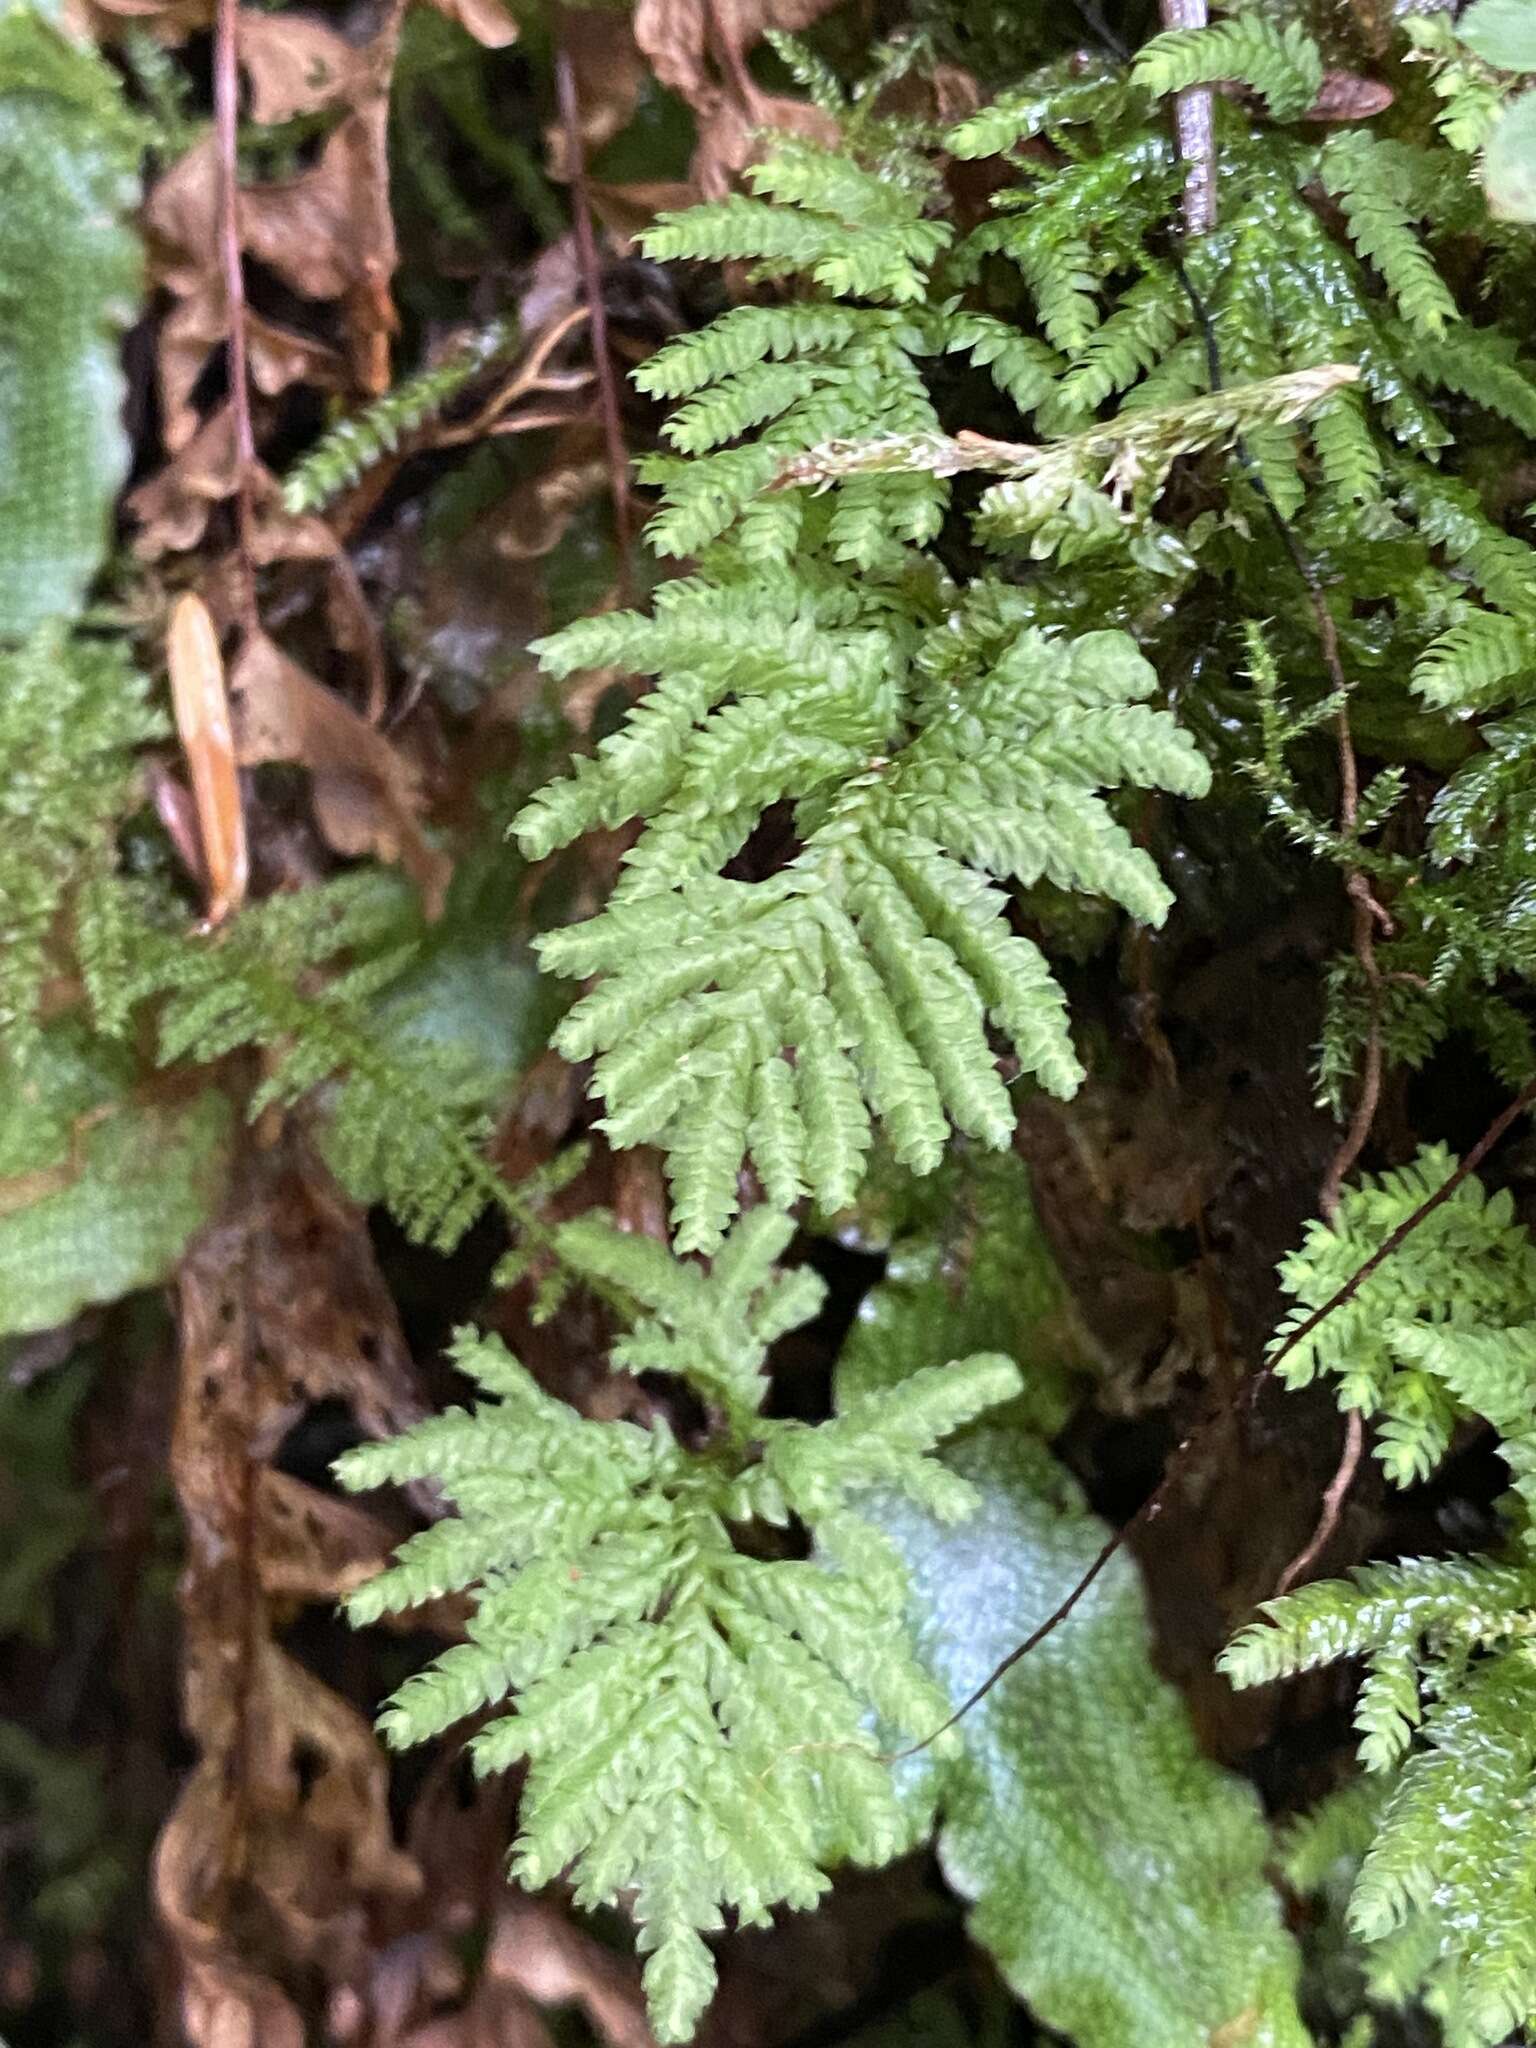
<point x="1385" y="189"/>
<point x="877" y="958"/>
<point x="1280" y="63"/>
<point x="346" y="452"/>
<point x="699" y="1723"/>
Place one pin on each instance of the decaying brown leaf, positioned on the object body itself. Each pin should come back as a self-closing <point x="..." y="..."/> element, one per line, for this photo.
<point x="201" y="705"/>
<point x="731" y="132"/>
<point x="365" y="792"/>
<point x="327" y="232"/>
<point x="686" y="40"/>
<point x="173" y="508"/>
<point x="295" y="65"/>
<point x="1349" y="96"/>
<point x="279" y="1853"/>
<point x="609" y="72"/>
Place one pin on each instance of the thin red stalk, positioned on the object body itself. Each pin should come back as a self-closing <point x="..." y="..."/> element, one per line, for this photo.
<point x="1333" y="1504"/>
<point x="1194" y="128"/>
<point x="226" y="128"/>
<point x="592" y="289"/>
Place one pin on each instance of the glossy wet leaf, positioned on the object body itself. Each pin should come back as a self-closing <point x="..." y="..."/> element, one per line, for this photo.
<point x="69" y="285"/>
<point x="1501" y="32"/>
<point x="1509" y="162"/>
<point x="1117" y="1877"/>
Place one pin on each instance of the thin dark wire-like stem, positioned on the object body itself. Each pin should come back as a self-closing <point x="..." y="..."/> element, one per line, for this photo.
<point x="1158" y="1499"/>
<point x="226" y="127"/>
<point x="592" y="289"/>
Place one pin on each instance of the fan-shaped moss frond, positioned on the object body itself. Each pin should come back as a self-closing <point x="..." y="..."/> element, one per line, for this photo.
<point x="699" y="1723"/>
<point x="771" y="1019"/>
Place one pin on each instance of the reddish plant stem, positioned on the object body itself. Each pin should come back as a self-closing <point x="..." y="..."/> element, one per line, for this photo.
<point x="592" y="290"/>
<point x="226" y="129"/>
<point x="1333" y="1504"/>
<point x="1194" y="127"/>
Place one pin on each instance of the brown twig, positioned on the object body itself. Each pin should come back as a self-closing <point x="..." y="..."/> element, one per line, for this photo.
<point x="1158" y="1499"/>
<point x="226" y="122"/>
<point x="592" y="287"/>
<point x="1194" y="127"/>
<point x="1333" y="1504"/>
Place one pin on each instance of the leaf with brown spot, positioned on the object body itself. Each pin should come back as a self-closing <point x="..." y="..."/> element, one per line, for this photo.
<point x="1347" y="96"/>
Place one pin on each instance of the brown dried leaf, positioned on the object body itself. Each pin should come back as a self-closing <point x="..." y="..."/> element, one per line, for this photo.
<point x="329" y="233"/>
<point x="201" y="705"/>
<point x="173" y="508"/>
<point x="365" y="792"/>
<point x="280" y="1850"/>
<point x="555" y="1963"/>
<point x="182" y="218"/>
<point x="171" y="21"/>
<point x="626" y="211"/>
<point x="296" y="65"/>
<point x="1347" y="96"/>
<point x="314" y="1546"/>
<point x="608" y="71"/>
<point x="678" y="37"/>
<point x="731" y="132"/>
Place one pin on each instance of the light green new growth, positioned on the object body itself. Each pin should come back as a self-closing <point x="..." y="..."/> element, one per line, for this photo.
<point x="701" y="1723"/>
<point x="1438" y="1334"/>
<point x="69" y="284"/>
<point x="880" y="952"/>
<point x="1079" y="493"/>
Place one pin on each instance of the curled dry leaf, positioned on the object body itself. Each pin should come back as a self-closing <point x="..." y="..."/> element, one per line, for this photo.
<point x="490" y="23"/>
<point x="182" y="219"/>
<point x="327" y="232"/>
<point x="295" y="65"/>
<point x="365" y="792"/>
<point x="172" y="509"/>
<point x="680" y="37"/>
<point x="731" y="136"/>
<point x="201" y="705"/>
<point x="1347" y="96"/>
